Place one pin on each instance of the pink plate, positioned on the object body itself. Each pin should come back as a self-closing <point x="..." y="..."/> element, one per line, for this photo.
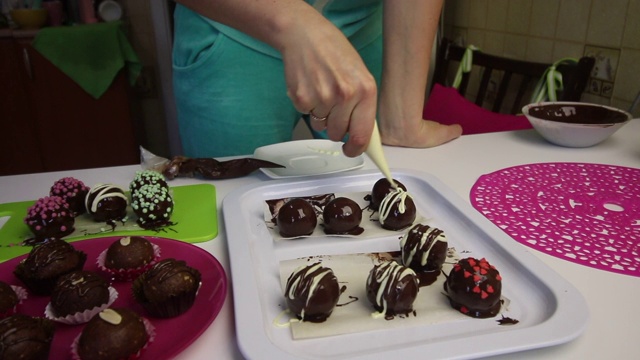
<point x="168" y="342"/>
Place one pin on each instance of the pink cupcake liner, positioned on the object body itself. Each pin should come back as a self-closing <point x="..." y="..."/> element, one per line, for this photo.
<point x="126" y="274"/>
<point x="151" y="331"/>
<point x="80" y="317"/>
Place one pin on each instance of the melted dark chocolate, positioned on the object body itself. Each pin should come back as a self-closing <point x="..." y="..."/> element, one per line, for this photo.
<point x="209" y="168"/>
<point x="578" y="114"/>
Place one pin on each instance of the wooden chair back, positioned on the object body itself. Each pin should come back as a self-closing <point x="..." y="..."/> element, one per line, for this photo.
<point x="575" y="76"/>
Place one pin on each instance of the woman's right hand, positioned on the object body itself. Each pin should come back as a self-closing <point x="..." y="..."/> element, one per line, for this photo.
<point x="326" y="76"/>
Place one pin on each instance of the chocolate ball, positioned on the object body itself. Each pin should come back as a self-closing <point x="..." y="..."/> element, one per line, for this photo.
<point x="153" y="204"/>
<point x="25" y="337"/>
<point x="107" y="203"/>
<point x="8" y="299"/>
<point x="474" y="288"/>
<point x="392" y="288"/>
<point x="397" y="210"/>
<point x="129" y="252"/>
<point x="342" y="216"/>
<point x="380" y="189"/>
<point x="113" y="334"/>
<point x="73" y="191"/>
<point x="50" y="218"/>
<point x="296" y="218"/>
<point x="312" y="292"/>
<point x="45" y="263"/>
<point x="78" y="291"/>
<point x="424" y="249"/>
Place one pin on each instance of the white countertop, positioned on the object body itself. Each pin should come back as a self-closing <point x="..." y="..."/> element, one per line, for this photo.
<point x="613" y="329"/>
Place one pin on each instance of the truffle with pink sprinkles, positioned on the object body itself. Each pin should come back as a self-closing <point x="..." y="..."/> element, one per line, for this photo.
<point x="49" y="218"/>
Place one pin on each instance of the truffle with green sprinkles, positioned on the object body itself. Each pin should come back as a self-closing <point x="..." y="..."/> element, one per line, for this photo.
<point x="147" y="177"/>
<point x="153" y="205"/>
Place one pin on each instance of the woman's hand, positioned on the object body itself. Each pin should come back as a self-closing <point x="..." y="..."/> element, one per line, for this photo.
<point x="422" y="134"/>
<point x="326" y="77"/>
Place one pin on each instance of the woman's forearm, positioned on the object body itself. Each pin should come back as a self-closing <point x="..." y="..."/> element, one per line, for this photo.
<point x="409" y="32"/>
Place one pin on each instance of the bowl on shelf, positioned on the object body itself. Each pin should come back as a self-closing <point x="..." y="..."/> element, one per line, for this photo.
<point x="29" y="18"/>
<point x="575" y="124"/>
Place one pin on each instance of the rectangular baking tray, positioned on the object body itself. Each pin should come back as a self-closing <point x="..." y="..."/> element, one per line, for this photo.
<point x="550" y="310"/>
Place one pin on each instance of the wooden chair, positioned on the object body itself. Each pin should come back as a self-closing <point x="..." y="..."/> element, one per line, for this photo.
<point x="575" y="76"/>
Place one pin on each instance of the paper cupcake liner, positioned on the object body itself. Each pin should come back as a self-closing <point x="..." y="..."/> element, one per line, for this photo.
<point x="126" y="274"/>
<point x="80" y="317"/>
<point x="151" y="331"/>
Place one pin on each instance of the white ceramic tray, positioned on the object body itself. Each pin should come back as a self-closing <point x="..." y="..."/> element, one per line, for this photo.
<point x="549" y="309"/>
<point x="306" y="157"/>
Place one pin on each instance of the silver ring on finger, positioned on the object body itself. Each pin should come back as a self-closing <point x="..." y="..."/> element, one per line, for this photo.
<point x="317" y="118"/>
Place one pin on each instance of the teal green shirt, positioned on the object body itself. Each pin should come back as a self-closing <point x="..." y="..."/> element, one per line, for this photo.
<point x="359" y="20"/>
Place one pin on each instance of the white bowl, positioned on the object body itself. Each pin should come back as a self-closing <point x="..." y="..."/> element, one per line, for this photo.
<point x="575" y="124"/>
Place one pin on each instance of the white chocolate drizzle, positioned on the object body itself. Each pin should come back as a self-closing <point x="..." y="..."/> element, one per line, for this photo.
<point x="300" y="274"/>
<point x="103" y="191"/>
<point x="387" y="275"/>
<point x="428" y="238"/>
<point x="397" y="195"/>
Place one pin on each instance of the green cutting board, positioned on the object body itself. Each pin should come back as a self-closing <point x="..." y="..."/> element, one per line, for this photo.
<point x="194" y="216"/>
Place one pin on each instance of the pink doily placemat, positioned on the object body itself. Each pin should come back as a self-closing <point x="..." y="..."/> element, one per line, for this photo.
<point x="585" y="213"/>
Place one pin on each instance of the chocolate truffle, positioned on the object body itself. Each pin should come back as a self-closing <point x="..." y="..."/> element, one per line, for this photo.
<point x="296" y="218"/>
<point x="106" y="203"/>
<point x="474" y="288"/>
<point x="147" y="177"/>
<point x="45" y="263"/>
<point x="153" y="205"/>
<point x="129" y="253"/>
<point x="380" y="189"/>
<point x="397" y="210"/>
<point x="118" y="333"/>
<point x="78" y="291"/>
<point x="342" y="216"/>
<point x="25" y="337"/>
<point x="392" y="288"/>
<point x="50" y="218"/>
<point x="312" y="292"/>
<point x="424" y="249"/>
<point x="167" y="289"/>
<point x="73" y="191"/>
<point x="8" y="299"/>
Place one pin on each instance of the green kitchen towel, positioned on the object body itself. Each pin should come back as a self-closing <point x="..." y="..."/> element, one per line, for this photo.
<point x="91" y="55"/>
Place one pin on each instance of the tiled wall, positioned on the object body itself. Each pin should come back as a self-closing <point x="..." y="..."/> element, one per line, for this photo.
<point x="547" y="30"/>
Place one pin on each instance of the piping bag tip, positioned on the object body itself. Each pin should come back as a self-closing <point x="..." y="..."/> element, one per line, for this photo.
<point x="376" y="154"/>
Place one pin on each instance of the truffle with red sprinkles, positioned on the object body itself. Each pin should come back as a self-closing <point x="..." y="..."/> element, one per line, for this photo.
<point x="474" y="288"/>
<point x="73" y="191"/>
<point x="50" y="218"/>
<point x="153" y="205"/>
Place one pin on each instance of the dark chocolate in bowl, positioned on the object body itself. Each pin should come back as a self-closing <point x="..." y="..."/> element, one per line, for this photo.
<point x="578" y="114"/>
